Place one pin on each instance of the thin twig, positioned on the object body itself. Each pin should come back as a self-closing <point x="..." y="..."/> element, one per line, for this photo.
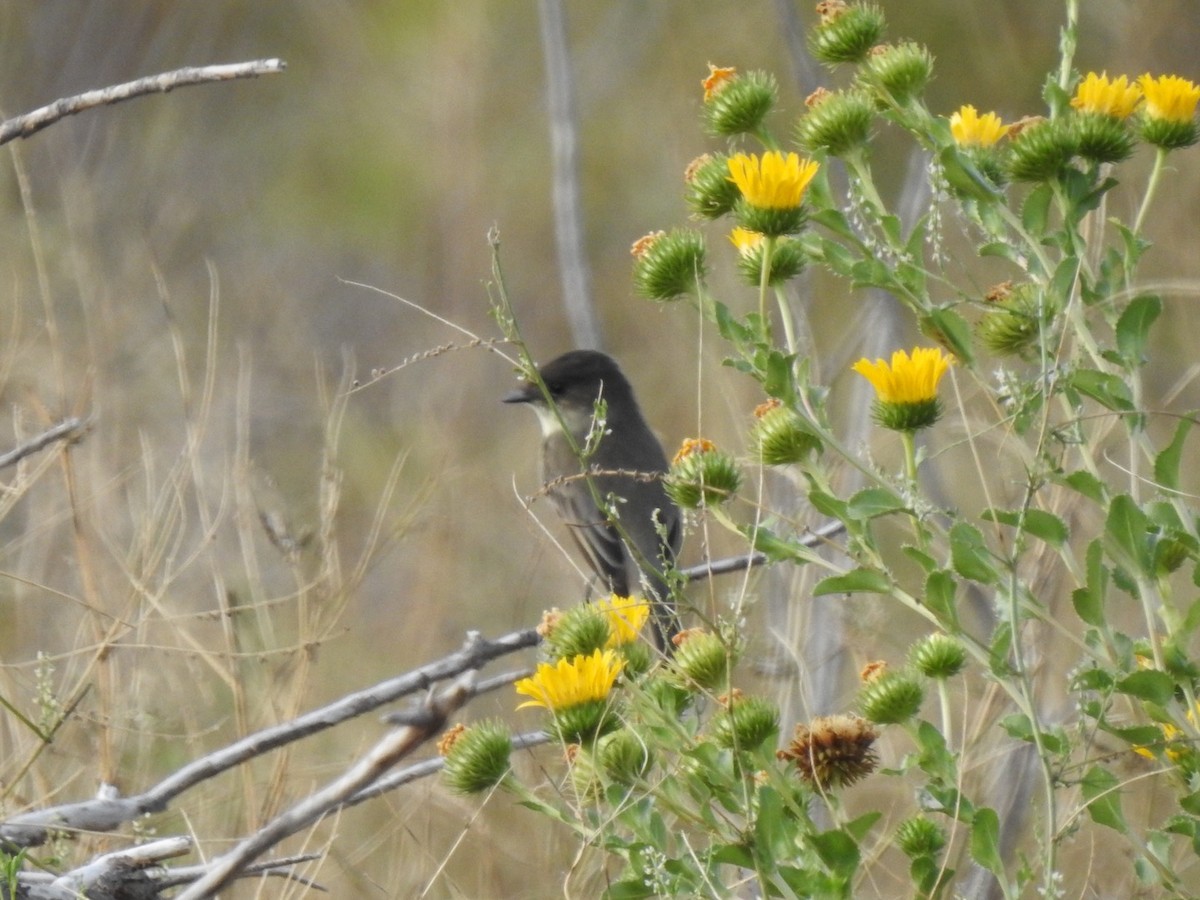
<point x="71" y="429"/>
<point x="32" y="122"/>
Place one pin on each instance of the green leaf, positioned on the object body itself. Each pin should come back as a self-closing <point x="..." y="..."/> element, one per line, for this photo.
<point x="829" y="505"/>
<point x="873" y="503"/>
<point x="1109" y="391"/>
<point x="859" y="581"/>
<point x="858" y="828"/>
<point x="920" y="557"/>
<point x="1103" y="800"/>
<point x="940" y="588"/>
<point x="1166" y="464"/>
<point x="1089" y="599"/>
<point x="985" y="841"/>
<point x="777" y="549"/>
<point x="969" y="555"/>
<point x="1125" y="531"/>
<point x="1133" y="327"/>
<point x="998" y="652"/>
<point x="1039" y="523"/>
<point x="949" y="329"/>
<point x="962" y="175"/>
<point x="1157" y="687"/>
<point x="837" y="850"/>
<point x="1035" y="211"/>
<point x="777" y="379"/>
<point x="1087" y="484"/>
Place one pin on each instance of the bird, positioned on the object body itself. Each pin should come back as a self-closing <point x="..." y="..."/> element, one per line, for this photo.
<point x="630" y="548"/>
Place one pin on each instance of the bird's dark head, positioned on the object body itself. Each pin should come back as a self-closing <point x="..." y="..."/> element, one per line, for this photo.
<point x="575" y="380"/>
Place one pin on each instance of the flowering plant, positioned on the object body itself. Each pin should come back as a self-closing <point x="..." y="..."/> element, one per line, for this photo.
<point x="1082" y="526"/>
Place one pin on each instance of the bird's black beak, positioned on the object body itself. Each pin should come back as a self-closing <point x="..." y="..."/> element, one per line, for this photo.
<point x="524" y="394"/>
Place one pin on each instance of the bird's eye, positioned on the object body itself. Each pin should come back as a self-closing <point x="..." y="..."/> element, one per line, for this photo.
<point x="554" y="387"/>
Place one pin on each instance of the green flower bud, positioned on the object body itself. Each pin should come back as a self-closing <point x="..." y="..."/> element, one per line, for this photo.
<point x="710" y="193"/>
<point x="741" y="104"/>
<point x="938" y="656"/>
<point x="1040" y="150"/>
<point x="623" y="756"/>
<point x="989" y="161"/>
<point x="577" y="632"/>
<point x="702" y="660"/>
<point x="746" y="723"/>
<point x="1102" y="138"/>
<point x="666" y="695"/>
<point x="638" y="658"/>
<point x="836" y="122"/>
<point x="892" y="698"/>
<point x="845" y="33"/>
<point x="669" y="266"/>
<point x="782" y="437"/>
<point x="899" y="70"/>
<point x="701" y="475"/>
<point x="583" y="769"/>
<point x="918" y="837"/>
<point x="787" y="257"/>
<point x="1016" y="319"/>
<point x="476" y="758"/>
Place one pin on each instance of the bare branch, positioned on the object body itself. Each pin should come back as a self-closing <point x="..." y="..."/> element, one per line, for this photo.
<point x="394" y="747"/>
<point x="32" y="122"/>
<point x="107" y="813"/>
<point x="67" y="430"/>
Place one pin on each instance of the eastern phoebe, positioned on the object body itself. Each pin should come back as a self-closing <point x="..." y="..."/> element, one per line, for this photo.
<point x="629" y="548"/>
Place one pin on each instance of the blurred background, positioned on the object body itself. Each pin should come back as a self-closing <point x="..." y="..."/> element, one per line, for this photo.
<point x="180" y="266"/>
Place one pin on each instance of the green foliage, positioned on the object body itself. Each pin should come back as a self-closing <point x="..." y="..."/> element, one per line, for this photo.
<point x="1090" y="534"/>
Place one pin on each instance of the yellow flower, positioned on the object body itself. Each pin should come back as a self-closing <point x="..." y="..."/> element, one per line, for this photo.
<point x="745" y="240"/>
<point x="1096" y="94"/>
<point x="973" y="130"/>
<point x="907" y="379"/>
<point x="773" y="180"/>
<point x="562" y="685"/>
<point x="1170" y="97"/>
<point x="626" y="616"/>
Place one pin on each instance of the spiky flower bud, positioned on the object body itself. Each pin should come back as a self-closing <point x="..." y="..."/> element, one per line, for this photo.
<point x="836" y="122"/>
<point x="746" y="723"/>
<point x="1101" y="138"/>
<point x="1041" y="150"/>
<point x="938" y="656"/>
<point x="583" y="770"/>
<point x="577" y="632"/>
<point x="702" y="660"/>
<point x="741" y="104"/>
<point x="1016" y="319"/>
<point x="845" y="32"/>
<point x="919" y="837"/>
<point x="623" y="756"/>
<point x="701" y="475"/>
<point x="668" y="266"/>
<point x="786" y="261"/>
<point x="833" y="751"/>
<point x="892" y="698"/>
<point x="476" y="758"/>
<point x="900" y="71"/>
<point x="709" y="192"/>
<point x="781" y="436"/>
